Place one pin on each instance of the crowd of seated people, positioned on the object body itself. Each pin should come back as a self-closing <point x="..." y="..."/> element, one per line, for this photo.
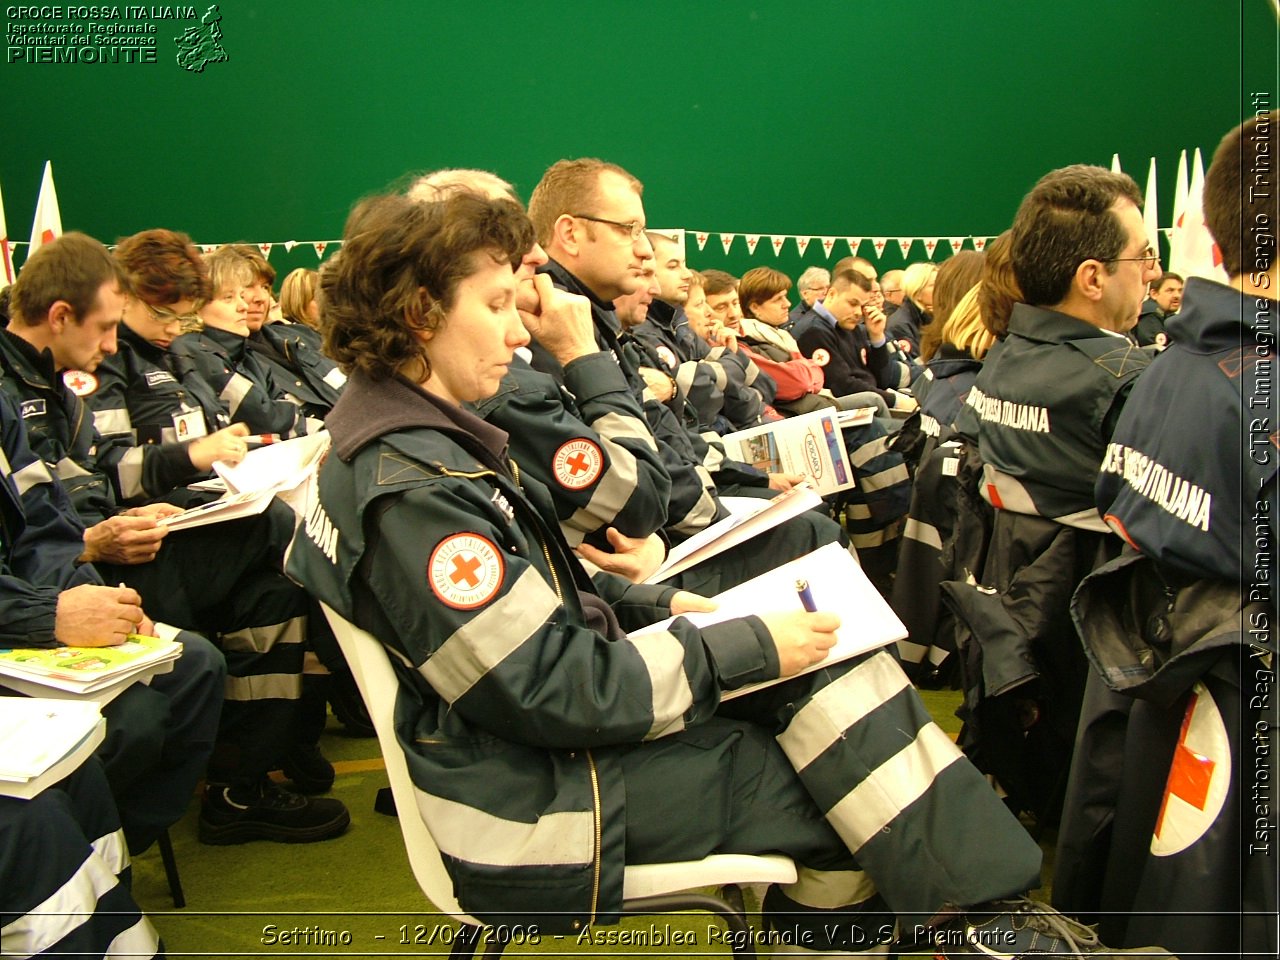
<point x="554" y="386"/>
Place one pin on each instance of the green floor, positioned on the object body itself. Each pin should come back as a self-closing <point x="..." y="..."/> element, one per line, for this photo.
<point x="353" y="896"/>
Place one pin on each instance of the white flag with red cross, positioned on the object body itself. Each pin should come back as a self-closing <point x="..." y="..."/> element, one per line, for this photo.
<point x="47" y="225"/>
<point x="1201" y="257"/>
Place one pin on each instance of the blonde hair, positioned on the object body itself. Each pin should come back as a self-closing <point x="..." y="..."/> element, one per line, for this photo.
<point x="964" y="328"/>
<point x="916" y="277"/>
<point x="442" y="184"/>
<point x="297" y="292"/>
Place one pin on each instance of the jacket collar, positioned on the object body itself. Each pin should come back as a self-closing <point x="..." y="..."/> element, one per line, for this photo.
<point x="1049" y="326"/>
<point x="571" y="283"/>
<point x="665" y="315"/>
<point x="369" y="409"/>
<point x="34" y="366"/>
<point x="232" y="343"/>
<point x="1214" y="314"/>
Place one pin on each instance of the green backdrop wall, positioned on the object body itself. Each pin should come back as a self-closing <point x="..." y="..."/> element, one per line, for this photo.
<point x="811" y="117"/>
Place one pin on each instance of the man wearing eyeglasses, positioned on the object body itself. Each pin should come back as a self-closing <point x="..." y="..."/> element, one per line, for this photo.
<point x="891" y="287"/>
<point x="1042" y="412"/>
<point x="590" y="219"/>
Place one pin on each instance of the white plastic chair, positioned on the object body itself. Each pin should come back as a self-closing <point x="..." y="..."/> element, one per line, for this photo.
<point x="647" y="888"/>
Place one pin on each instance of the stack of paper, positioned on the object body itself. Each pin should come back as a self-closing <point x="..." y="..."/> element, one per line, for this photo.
<point x="837" y="585"/>
<point x="43" y="741"/>
<point x="744" y="522"/>
<point x="87" y="670"/>
<point x="285" y="470"/>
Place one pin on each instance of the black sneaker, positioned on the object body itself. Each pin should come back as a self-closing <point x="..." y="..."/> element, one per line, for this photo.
<point x="307" y="768"/>
<point x="1012" y="929"/>
<point x="273" y="814"/>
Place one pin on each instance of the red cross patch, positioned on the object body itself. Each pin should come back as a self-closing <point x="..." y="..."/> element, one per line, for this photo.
<point x="577" y="464"/>
<point x="821" y="357"/>
<point x="667" y="356"/>
<point x="1198" y="777"/>
<point x="80" y="382"/>
<point x="465" y="571"/>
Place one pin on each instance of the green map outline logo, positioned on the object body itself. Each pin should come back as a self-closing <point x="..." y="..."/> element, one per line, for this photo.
<point x="200" y="46"/>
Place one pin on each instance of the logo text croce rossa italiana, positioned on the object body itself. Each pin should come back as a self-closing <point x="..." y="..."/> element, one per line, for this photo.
<point x="107" y="34"/>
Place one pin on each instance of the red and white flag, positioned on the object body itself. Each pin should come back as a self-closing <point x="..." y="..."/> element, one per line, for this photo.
<point x="979" y="243"/>
<point x="726" y="241"/>
<point x="802" y="244"/>
<point x="1201" y="257"/>
<point x="854" y="243"/>
<point x="956" y="243"/>
<point x="320" y="246"/>
<point x="777" y="243"/>
<point x="266" y="249"/>
<point x="879" y="243"/>
<point x="701" y="237"/>
<point x="828" y="244"/>
<point x="6" y="254"/>
<point x="47" y="225"/>
<point x="1115" y="163"/>
<point x="753" y="239"/>
<point x="904" y="244"/>
<point x="930" y="245"/>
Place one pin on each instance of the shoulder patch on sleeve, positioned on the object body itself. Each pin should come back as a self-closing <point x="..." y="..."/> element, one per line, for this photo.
<point x="667" y="355"/>
<point x="577" y="464"/>
<point x="821" y="357"/>
<point x="80" y="382"/>
<point x="465" y="571"/>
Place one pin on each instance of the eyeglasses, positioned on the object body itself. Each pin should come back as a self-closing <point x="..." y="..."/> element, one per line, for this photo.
<point x="1149" y="260"/>
<point x="161" y="315"/>
<point x="633" y="228"/>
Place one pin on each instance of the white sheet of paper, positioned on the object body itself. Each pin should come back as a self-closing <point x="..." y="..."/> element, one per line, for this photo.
<point x="735" y="529"/>
<point x="838" y="586"/>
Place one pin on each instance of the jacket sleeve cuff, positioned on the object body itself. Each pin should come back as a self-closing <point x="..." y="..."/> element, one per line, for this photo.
<point x="28" y="614"/>
<point x="593" y="376"/>
<point x="644" y="603"/>
<point x="742" y="652"/>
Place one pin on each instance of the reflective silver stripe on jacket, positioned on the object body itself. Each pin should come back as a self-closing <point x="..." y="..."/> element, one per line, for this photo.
<point x="112" y="422"/>
<point x="879" y="797"/>
<point x="613" y="490"/>
<point x="235" y="391"/>
<point x="129" y="473"/>
<point x="663" y="656"/>
<point x="472" y="835"/>
<point x="491" y="636"/>
<point x="32" y="474"/>
<point x="66" y="469"/>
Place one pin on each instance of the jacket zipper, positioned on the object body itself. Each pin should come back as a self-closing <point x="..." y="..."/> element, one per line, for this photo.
<point x="595" y="857"/>
<point x="546" y="551"/>
<point x="591" y="761"/>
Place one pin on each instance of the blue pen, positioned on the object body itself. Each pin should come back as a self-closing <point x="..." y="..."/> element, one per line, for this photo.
<point x="806" y="596"/>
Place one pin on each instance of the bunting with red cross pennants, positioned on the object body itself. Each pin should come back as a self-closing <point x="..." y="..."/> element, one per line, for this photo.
<point x="777" y="243"/>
